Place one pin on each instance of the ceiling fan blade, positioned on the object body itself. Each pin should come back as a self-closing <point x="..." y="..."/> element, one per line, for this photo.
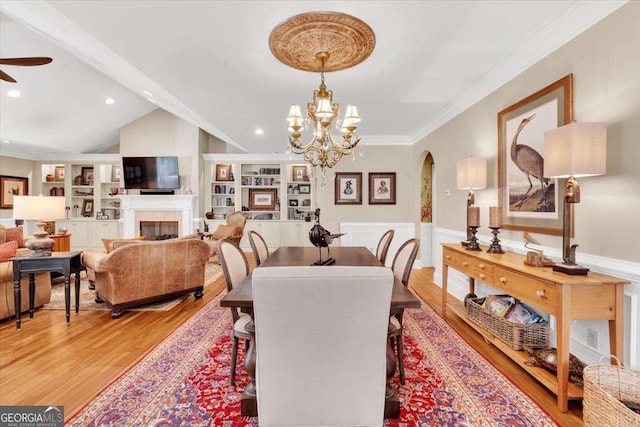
<point x="6" y="77"/>
<point x="36" y="60"/>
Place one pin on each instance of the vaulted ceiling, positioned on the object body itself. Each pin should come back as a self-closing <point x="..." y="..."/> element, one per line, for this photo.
<point x="209" y="63"/>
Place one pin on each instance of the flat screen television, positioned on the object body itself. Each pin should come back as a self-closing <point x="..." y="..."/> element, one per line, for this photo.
<point x="151" y="173"/>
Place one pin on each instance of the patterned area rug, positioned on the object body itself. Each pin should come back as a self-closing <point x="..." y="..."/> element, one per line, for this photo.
<point x="185" y="381"/>
<point x="87" y="296"/>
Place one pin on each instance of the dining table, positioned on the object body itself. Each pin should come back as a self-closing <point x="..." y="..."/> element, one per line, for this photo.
<point x="241" y="297"/>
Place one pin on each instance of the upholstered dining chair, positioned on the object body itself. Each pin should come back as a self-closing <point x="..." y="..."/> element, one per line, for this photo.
<point x="258" y="247"/>
<point x="334" y="372"/>
<point x="383" y="246"/>
<point x="401" y="267"/>
<point x="235" y="267"/>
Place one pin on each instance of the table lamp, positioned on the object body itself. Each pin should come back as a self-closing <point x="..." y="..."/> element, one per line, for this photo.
<point x="39" y="208"/>
<point x="471" y="175"/>
<point x="570" y="151"/>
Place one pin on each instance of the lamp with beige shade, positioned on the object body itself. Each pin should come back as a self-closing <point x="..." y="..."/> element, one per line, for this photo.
<point x="42" y="209"/>
<point x="471" y="175"/>
<point x="570" y="151"/>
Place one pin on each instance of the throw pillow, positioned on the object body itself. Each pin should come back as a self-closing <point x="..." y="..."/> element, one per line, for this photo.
<point x="15" y="234"/>
<point x="225" y="231"/>
<point x="107" y="242"/>
<point x="3" y="234"/>
<point x="8" y="250"/>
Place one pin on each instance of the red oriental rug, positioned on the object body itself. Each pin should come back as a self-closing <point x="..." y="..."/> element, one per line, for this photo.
<point x="184" y="381"/>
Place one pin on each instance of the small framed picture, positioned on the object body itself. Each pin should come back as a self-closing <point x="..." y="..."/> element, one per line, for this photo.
<point x="262" y="199"/>
<point x="305" y="188"/>
<point x="87" y="175"/>
<point x="11" y="186"/>
<point x="58" y="174"/>
<point x="348" y="189"/>
<point x="293" y="202"/>
<point x="299" y="173"/>
<point x="115" y="173"/>
<point x="382" y="188"/>
<point x="87" y="208"/>
<point x="223" y="172"/>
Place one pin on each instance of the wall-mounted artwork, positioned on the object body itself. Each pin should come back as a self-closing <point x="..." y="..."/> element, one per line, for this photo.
<point x="12" y="186"/>
<point x="348" y="189"/>
<point x="382" y="188"/>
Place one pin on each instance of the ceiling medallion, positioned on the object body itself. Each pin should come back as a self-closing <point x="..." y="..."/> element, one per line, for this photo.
<point x="322" y="42"/>
<point x="296" y="41"/>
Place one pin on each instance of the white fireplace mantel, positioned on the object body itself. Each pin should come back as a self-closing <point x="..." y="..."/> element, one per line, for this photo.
<point x="130" y="205"/>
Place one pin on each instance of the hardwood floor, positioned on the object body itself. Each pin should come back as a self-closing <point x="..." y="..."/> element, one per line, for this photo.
<point x="49" y="362"/>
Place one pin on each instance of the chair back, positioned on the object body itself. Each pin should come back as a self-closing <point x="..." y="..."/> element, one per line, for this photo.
<point x="321" y="336"/>
<point x="235" y="267"/>
<point x="383" y="246"/>
<point x="259" y="247"/>
<point x="403" y="260"/>
<point x="237" y="219"/>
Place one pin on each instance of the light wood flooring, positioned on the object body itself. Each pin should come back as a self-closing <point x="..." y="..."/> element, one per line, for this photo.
<point x="48" y="362"/>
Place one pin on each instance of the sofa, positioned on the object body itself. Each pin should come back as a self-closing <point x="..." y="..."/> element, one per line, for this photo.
<point x="43" y="280"/>
<point x="134" y="273"/>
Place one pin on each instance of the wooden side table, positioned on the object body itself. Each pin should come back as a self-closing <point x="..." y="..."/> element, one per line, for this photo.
<point x="61" y="262"/>
<point x="62" y="242"/>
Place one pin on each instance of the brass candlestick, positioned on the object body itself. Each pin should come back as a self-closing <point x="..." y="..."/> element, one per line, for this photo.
<point x="473" y="245"/>
<point x="495" y="247"/>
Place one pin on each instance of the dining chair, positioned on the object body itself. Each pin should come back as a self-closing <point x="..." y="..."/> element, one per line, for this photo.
<point x="235" y="267"/>
<point x="401" y="267"/>
<point x="334" y="372"/>
<point x="258" y="247"/>
<point x="383" y="246"/>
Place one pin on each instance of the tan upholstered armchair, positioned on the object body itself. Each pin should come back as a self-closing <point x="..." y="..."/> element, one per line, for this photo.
<point x="137" y="273"/>
<point x="233" y="230"/>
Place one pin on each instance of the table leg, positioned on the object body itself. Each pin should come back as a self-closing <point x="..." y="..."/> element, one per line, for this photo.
<point x="67" y="295"/>
<point x="562" y="341"/>
<point x="16" y="299"/>
<point x="77" y="291"/>
<point x="32" y="294"/>
<point x="249" y="399"/>
<point x="616" y="328"/>
<point x="445" y="276"/>
<point x="391" y="398"/>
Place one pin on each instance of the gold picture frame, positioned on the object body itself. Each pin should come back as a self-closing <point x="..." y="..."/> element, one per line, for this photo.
<point x="262" y="199"/>
<point x="223" y="172"/>
<point x="58" y="174"/>
<point x="527" y="200"/>
<point x="299" y="173"/>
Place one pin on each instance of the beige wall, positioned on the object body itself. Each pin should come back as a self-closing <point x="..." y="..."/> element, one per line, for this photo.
<point x="605" y="62"/>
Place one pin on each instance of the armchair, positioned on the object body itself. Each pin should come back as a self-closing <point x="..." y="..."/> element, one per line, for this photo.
<point x="233" y="230"/>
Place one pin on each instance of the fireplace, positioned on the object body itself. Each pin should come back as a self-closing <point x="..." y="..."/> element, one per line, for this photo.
<point x="156" y="208"/>
<point x="159" y="230"/>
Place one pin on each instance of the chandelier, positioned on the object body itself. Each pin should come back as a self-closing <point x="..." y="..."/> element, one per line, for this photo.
<point x="322" y="42"/>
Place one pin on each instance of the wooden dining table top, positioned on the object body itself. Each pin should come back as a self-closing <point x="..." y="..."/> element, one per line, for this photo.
<point x="241" y="296"/>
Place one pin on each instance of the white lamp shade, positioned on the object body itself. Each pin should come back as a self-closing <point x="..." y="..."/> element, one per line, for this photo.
<point x="323" y="109"/>
<point x="38" y="207"/>
<point x="471" y="173"/>
<point x="295" y="114"/>
<point x="351" y="115"/>
<point x="576" y="149"/>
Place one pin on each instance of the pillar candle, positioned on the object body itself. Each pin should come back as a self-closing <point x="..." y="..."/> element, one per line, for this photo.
<point x="495" y="217"/>
<point x="474" y="216"/>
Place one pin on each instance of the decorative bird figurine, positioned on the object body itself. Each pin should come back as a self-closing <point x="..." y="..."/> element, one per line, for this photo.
<point x="534" y="257"/>
<point x="530" y="162"/>
<point x="321" y="238"/>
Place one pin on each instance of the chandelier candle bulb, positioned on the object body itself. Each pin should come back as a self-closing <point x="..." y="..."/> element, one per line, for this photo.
<point x="474" y="216"/>
<point x="495" y="217"/>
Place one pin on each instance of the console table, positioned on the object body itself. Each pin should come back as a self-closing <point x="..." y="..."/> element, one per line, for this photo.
<point x="594" y="296"/>
<point x="60" y="262"/>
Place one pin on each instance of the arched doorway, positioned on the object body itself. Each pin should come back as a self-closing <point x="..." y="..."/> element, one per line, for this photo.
<point x="426" y="212"/>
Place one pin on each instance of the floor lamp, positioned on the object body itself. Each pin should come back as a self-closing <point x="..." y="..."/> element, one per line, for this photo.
<point x="42" y="209"/>
<point x="471" y="175"/>
<point x="570" y="151"/>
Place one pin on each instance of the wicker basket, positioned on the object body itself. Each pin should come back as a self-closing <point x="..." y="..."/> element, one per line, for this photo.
<point x="604" y="387"/>
<point x="534" y="335"/>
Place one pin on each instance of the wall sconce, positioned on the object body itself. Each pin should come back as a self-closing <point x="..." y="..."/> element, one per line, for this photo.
<point x="471" y="175"/>
<point x="570" y="151"/>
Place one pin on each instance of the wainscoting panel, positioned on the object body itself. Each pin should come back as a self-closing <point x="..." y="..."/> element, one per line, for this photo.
<point x="368" y="234"/>
<point x="458" y="287"/>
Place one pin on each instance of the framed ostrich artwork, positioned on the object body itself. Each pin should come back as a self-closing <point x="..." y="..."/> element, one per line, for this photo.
<point x="528" y="200"/>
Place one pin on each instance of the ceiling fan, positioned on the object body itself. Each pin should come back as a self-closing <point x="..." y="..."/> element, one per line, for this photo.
<point x="26" y="62"/>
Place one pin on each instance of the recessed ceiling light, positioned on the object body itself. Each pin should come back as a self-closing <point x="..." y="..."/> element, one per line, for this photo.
<point x="153" y="101"/>
<point x="146" y="92"/>
<point x="13" y="93"/>
<point x="6" y="141"/>
<point x="258" y="131"/>
<point x="109" y="101"/>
